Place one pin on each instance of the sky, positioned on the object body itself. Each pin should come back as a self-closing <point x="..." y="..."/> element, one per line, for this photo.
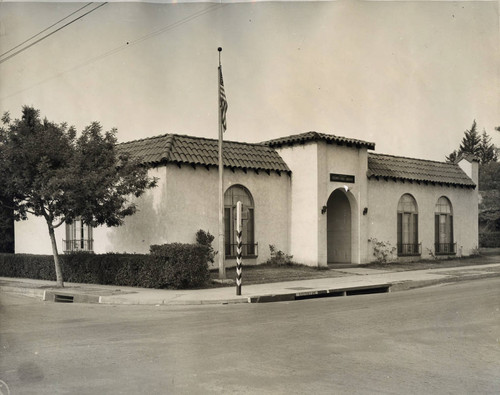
<point x="410" y="76"/>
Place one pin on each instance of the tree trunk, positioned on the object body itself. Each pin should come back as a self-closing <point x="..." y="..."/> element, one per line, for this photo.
<point x="59" y="276"/>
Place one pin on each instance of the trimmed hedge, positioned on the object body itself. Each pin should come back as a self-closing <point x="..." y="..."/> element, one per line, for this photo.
<point x="489" y="239"/>
<point x="183" y="265"/>
<point x="168" y="266"/>
<point x="27" y="266"/>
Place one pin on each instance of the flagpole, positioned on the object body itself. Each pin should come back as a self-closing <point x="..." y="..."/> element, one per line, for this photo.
<point x="222" y="269"/>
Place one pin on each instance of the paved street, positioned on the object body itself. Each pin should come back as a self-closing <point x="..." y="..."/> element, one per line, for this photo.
<point x="443" y="339"/>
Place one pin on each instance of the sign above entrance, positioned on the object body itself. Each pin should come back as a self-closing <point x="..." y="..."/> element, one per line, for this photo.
<point x="341" y="177"/>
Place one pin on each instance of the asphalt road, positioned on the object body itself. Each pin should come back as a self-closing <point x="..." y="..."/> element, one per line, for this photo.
<point x="438" y="340"/>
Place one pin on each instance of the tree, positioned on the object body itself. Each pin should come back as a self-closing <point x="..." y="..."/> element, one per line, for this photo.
<point x="474" y="144"/>
<point x="471" y="141"/>
<point x="6" y="226"/>
<point x="487" y="151"/>
<point x="48" y="172"/>
<point x="452" y="157"/>
<point x="489" y="176"/>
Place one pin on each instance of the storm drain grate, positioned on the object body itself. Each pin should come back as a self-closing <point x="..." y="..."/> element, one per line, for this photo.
<point x="366" y="291"/>
<point x="63" y="298"/>
<point x="344" y="292"/>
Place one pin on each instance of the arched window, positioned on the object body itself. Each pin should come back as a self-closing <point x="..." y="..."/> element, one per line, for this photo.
<point x="443" y="230"/>
<point x="78" y="237"/>
<point x="231" y="197"/>
<point x="408" y="226"/>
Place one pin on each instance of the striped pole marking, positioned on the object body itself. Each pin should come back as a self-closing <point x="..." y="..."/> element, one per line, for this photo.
<point x="239" y="249"/>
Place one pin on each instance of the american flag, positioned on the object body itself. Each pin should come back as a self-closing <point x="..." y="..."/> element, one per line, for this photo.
<point x="222" y="100"/>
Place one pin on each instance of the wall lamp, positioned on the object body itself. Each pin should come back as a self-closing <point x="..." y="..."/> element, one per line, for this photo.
<point x="365" y="211"/>
<point x="323" y="209"/>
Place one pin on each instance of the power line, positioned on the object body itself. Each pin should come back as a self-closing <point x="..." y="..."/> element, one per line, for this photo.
<point x="43" y="31"/>
<point x="124" y="46"/>
<point x="50" y="34"/>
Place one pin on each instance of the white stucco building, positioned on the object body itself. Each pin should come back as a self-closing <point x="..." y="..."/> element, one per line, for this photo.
<point x="321" y="198"/>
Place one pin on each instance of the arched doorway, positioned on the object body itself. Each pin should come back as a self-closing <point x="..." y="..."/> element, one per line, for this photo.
<point x="338" y="228"/>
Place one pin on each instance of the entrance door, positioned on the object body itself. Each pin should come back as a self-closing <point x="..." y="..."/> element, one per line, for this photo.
<point x="338" y="228"/>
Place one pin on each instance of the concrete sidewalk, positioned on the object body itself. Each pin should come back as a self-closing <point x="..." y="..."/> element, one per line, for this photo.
<point x="355" y="281"/>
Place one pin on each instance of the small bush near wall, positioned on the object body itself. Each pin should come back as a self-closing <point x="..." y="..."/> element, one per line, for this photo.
<point x="206" y="238"/>
<point x="183" y="265"/>
<point x="489" y="239"/>
<point x="383" y="251"/>
<point x="278" y="257"/>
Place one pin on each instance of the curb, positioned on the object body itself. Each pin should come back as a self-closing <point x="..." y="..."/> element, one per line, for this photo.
<point x="323" y="293"/>
<point x="31" y="292"/>
<point x="103" y="300"/>
<point x="67" y="296"/>
<point x="407" y="285"/>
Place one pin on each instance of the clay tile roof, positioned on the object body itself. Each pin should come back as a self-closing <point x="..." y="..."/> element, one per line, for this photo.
<point x="315" y="136"/>
<point x="180" y="149"/>
<point x="401" y="168"/>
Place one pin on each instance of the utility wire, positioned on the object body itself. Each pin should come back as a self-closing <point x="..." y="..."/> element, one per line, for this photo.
<point x="124" y="46"/>
<point x="50" y="34"/>
<point x="43" y="31"/>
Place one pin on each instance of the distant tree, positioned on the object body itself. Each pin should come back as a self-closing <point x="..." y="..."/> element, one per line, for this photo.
<point x="48" y="172"/>
<point x="474" y="144"/>
<point x="452" y="157"/>
<point x="487" y="150"/>
<point x="489" y="206"/>
<point x="489" y="176"/>
<point x="471" y="142"/>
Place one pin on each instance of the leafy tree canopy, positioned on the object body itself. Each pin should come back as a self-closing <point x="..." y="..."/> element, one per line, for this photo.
<point x="489" y="176"/>
<point x="49" y="172"/>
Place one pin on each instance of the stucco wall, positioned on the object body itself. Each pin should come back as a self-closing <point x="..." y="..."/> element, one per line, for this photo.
<point x="32" y="236"/>
<point x="311" y="165"/>
<point x="186" y="200"/>
<point x="383" y="202"/>
<point x="142" y="229"/>
<point x="304" y="214"/>
<point x="348" y="161"/>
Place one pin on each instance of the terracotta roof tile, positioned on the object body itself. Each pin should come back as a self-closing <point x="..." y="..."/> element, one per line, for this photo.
<point x="315" y="136"/>
<point x="174" y="148"/>
<point x="401" y="168"/>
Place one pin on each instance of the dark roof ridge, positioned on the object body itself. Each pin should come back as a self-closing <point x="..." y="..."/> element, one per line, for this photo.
<point x="313" y="135"/>
<point x="408" y="157"/>
<point x="190" y="137"/>
<point x="216" y="139"/>
<point x="146" y="138"/>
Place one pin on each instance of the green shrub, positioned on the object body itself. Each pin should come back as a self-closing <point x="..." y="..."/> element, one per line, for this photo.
<point x="181" y="265"/>
<point x="278" y="257"/>
<point x="205" y="238"/>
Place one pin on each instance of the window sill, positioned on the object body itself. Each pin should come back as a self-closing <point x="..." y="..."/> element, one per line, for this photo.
<point x="243" y="257"/>
<point x="446" y="253"/>
<point x="414" y="254"/>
